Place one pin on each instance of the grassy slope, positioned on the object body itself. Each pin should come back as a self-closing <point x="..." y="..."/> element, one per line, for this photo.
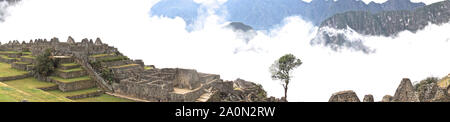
<point x="104" y="98"/>
<point x="7" y="71"/>
<point x="18" y="90"/>
<point x="70" y="80"/>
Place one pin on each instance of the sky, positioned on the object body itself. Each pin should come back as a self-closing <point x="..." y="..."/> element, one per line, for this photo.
<point x="381" y="1"/>
<point x="210" y="48"/>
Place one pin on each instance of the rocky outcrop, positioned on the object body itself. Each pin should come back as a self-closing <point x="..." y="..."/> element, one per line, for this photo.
<point x="387" y="23"/>
<point x="440" y="95"/>
<point x="427" y="92"/>
<point x="266" y="14"/>
<point x="405" y="92"/>
<point x="245" y="91"/>
<point x="344" y="96"/>
<point x="368" y="98"/>
<point x="387" y="98"/>
<point x="391" y="22"/>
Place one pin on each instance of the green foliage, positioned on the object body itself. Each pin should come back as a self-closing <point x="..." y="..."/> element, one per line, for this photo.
<point x="107" y="74"/>
<point x="429" y="80"/>
<point x="282" y="69"/>
<point x="261" y="92"/>
<point x="44" y="64"/>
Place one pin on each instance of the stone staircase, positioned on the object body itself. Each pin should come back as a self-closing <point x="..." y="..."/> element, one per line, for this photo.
<point x="205" y="97"/>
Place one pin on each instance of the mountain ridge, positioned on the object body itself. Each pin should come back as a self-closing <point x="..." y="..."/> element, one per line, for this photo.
<point x="265" y="14"/>
<point x="387" y="23"/>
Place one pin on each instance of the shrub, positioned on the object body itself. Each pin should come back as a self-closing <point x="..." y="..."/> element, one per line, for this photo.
<point x="44" y="64"/>
<point x="107" y="74"/>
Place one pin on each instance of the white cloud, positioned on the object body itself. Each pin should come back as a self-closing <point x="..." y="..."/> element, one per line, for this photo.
<point x="210" y="48"/>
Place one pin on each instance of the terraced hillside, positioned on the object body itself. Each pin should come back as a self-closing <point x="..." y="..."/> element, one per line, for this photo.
<point x="89" y="71"/>
<point x="69" y="84"/>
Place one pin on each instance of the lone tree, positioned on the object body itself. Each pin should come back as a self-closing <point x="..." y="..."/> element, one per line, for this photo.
<point x="282" y="68"/>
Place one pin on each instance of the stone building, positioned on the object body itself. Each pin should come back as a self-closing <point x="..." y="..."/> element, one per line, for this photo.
<point x="118" y="75"/>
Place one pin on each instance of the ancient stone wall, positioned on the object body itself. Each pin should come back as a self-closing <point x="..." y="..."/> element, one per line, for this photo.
<point x="66" y="87"/>
<point x="188" y="97"/>
<point x="186" y="78"/>
<point x="405" y="92"/>
<point x="88" y="95"/>
<point x="151" y="92"/>
<point x="74" y="74"/>
<point x="15" y="77"/>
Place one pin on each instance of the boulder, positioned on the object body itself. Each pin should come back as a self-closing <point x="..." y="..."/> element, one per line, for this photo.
<point x="344" y="96"/>
<point x="405" y="92"/>
<point x="368" y="98"/>
<point x="387" y="98"/>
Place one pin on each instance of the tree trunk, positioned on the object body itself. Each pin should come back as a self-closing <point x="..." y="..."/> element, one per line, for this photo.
<point x="286" y="89"/>
<point x="285" y="92"/>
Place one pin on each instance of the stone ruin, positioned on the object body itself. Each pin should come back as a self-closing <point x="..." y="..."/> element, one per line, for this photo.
<point x="368" y="98"/>
<point x="344" y="96"/>
<point x="404" y="93"/>
<point x="134" y="79"/>
<point x="187" y="85"/>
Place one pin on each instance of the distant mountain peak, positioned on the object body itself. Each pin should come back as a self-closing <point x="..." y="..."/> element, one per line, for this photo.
<point x="386" y="23"/>
<point x="266" y="14"/>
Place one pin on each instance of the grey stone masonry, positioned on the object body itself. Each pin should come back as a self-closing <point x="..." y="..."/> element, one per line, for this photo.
<point x="73" y="86"/>
<point x="72" y="74"/>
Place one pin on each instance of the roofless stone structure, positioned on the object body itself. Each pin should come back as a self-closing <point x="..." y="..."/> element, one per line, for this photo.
<point x="100" y="65"/>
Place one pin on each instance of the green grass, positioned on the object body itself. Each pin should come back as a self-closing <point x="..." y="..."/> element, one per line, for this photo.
<point x="29" y="56"/>
<point x="104" y="98"/>
<point x="6" y="57"/>
<point x="71" y="70"/>
<point x="7" y="71"/>
<point x="21" y="63"/>
<point x="121" y="66"/>
<point x="70" y="80"/>
<point x="73" y="93"/>
<point x="26" y="89"/>
<point x="148" y="68"/>
<point x="9" y="52"/>
<point x="11" y="94"/>
<point x="29" y="83"/>
<point x="26" y="53"/>
<point x="101" y="55"/>
<point x="69" y="64"/>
